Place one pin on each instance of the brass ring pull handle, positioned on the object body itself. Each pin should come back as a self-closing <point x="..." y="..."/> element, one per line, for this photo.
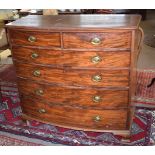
<point x="34" y="55"/>
<point x="96" y="59"/>
<point x="97" y="78"/>
<point x="42" y="111"/>
<point x="96" y="41"/>
<point x="37" y="73"/>
<point x="96" y="118"/>
<point x="32" y="39"/>
<point x="39" y="92"/>
<point x="97" y="99"/>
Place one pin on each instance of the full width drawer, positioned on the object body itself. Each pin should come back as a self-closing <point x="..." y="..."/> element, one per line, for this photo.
<point x="45" y="39"/>
<point x="75" y="117"/>
<point x="97" y="40"/>
<point x="78" y="97"/>
<point x="74" y="77"/>
<point x="72" y="58"/>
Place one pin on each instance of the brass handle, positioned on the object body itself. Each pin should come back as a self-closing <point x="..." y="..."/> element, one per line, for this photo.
<point x="97" y="99"/>
<point x="36" y="73"/>
<point x="96" y="118"/>
<point x="34" y="55"/>
<point x="97" y="78"/>
<point x="42" y="111"/>
<point x="96" y="59"/>
<point x="96" y="41"/>
<point x="32" y="39"/>
<point x="39" y="92"/>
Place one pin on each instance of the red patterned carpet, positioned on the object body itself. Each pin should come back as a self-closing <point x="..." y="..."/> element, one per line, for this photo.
<point x="9" y="141"/>
<point x="143" y="127"/>
<point x="145" y="95"/>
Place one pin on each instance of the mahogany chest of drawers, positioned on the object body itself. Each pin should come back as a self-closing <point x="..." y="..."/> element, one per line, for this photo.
<point x="77" y="71"/>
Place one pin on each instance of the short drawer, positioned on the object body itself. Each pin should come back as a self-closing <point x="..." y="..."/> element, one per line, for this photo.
<point x="74" y="77"/>
<point x="97" y="40"/>
<point x="72" y="58"/>
<point x="71" y="117"/>
<point x="78" y="97"/>
<point x="45" y="39"/>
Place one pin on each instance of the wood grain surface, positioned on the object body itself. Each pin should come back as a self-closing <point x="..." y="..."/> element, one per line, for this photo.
<point x="74" y="77"/>
<point x="57" y="70"/>
<point x="77" y="97"/>
<point x="45" y="39"/>
<point x="77" y="22"/>
<point x="76" y="117"/>
<point x="72" y="58"/>
<point x="108" y="40"/>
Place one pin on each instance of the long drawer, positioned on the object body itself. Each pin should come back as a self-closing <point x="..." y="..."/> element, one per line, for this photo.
<point x="72" y="58"/>
<point x="75" y="117"/>
<point x="74" y="77"/>
<point x="97" y="40"/>
<point x="77" y="97"/>
<point x="28" y="38"/>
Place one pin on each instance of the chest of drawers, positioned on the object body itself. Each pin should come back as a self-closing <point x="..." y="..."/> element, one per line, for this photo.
<point x="77" y="71"/>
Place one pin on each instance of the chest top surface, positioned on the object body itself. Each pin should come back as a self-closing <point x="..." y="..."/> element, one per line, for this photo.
<point x="77" y="22"/>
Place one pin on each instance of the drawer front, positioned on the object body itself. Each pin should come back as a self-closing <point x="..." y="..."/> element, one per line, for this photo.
<point x="75" y="117"/>
<point x="74" y="59"/>
<point x="45" y="39"/>
<point x="97" y="40"/>
<point x="96" y="98"/>
<point x="78" y="77"/>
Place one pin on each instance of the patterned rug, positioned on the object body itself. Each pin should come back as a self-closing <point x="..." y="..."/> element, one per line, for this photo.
<point x="143" y="127"/>
<point x="11" y="141"/>
<point x="145" y="96"/>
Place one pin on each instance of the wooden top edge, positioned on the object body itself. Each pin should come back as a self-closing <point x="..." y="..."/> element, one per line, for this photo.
<point x="65" y="22"/>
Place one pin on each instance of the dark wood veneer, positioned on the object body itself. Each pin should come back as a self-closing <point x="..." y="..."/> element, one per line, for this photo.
<point x="75" y="77"/>
<point x="42" y="38"/>
<point x="108" y="40"/>
<point x="73" y="58"/>
<point x="76" y="117"/>
<point x="75" y="96"/>
<point x="68" y="51"/>
<point x="76" y="22"/>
